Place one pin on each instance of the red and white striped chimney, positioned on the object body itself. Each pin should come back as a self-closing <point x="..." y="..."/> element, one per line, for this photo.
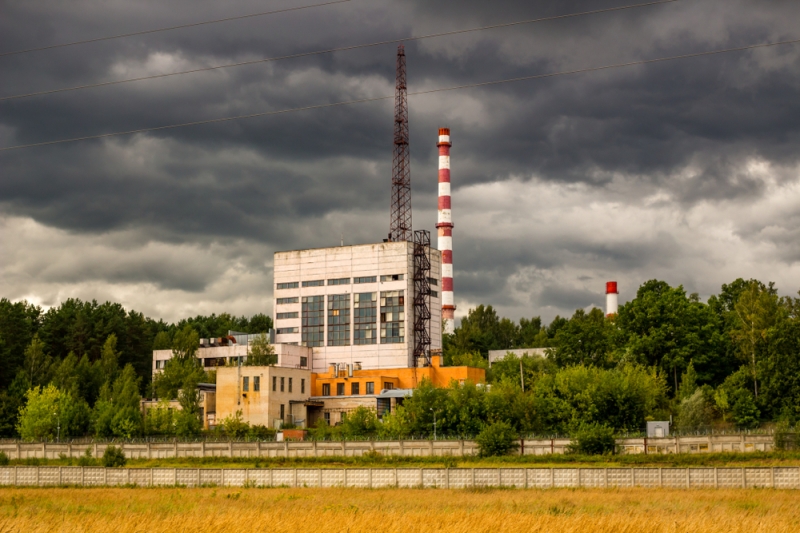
<point x="445" y="227"/>
<point x="612" y="298"/>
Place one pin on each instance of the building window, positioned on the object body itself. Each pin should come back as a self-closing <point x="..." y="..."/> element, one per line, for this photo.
<point x="256" y="383"/>
<point x="286" y="331"/>
<point x="340" y="389"/>
<point x="434" y="294"/>
<point x="291" y="285"/>
<point x="314" y="283"/>
<point x="282" y="383"/>
<point x="366" y="279"/>
<point x="274" y="383"/>
<point x="282" y="316"/>
<point x="392" y="277"/>
<point x="284" y="301"/>
<point x="302" y="386"/>
<point x="245" y="384"/>
<point x="327" y="416"/>
<point x="365" y="318"/>
<point x="303" y="362"/>
<point x="313" y="321"/>
<point x="392" y="317"/>
<point x="290" y="384"/>
<point x="433" y="281"/>
<point x="388" y="385"/>
<point x="340" y="281"/>
<point x="370" y="387"/>
<point x="355" y="389"/>
<point x="326" y="389"/>
<point x="283" y="411"/>
<point x="338" y="320"/>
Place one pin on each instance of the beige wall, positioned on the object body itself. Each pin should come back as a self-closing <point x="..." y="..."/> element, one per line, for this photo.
<point x="261" y="407"/>
<point x="351" y="262"/>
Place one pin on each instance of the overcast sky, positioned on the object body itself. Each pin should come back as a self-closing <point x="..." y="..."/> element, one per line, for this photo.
<point x="685" y="171"/>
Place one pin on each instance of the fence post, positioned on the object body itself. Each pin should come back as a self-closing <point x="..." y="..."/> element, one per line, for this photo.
<point x="295" y="478"/>
<point x="151" y="476"/>
<point x="688" y="479"/>
<point x="396" y="478"/>
<point x="319" y="476"/>
<point x="744" y="477"/>
<point x="431" y="447"/>
<point x="60" y="477"/>
<point x="95" y="450"/>
<point x="370" y="472"/>
<point x="422" y="477"/>
<point x="525" y="472"/>
<point x="716" y="477"/>
<point x="344" y="453"/>
<point x="772" y="476"/>
<point x="314" y="444"/>
<point x="605" y="478"/>
<point x="37" y="477"/>
<point x="473" y="477"/>
<point x="403" y="451"/>
<point x="129" y="476"/>
<point x="175" y="452"/>
<point x="19" y="452"/>
<point x="230" y="448"/>
<point x="15" y="475"/>
<point x="552" y="478"/>
<point x="44" y="450"/>
<point x="271" y="478"/>
<point x="660" y="478"/>
<point x="345" y="477"/>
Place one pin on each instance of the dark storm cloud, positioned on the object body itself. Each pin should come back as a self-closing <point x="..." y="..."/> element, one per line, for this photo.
<point x="686" y="132"/>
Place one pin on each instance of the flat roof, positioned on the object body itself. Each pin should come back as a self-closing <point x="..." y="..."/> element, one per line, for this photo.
<point x="346" y="246"/>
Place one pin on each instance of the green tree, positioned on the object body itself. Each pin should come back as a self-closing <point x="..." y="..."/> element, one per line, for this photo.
<point x="744" y="410"/>
<point x="37" y="363"/>
<point x="694" y="412"/>
<point x="163" y="341"/>
<point x="757" y="310"/>
<point x="361" y="422"/>
<point x="49" y="413"/>
<point x="496" y="439"/>
<point x="584" y="340"/>
<point x="261" y="352"/>
<point x="185" y="344"/>
<point x="117" y="412"/>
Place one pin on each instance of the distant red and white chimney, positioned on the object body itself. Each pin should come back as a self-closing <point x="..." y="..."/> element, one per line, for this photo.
<point x="612" y="298"/>
<point x="445" y="227"/>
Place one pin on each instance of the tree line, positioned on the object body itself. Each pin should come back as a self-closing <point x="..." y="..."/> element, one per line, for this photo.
<point x="83" y="366"/>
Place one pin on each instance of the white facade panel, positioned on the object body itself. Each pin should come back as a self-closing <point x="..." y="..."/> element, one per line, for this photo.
<point x="373" y="260"/>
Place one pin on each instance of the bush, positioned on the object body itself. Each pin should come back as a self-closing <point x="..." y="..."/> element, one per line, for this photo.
<point x="86" y="458"/>
<point x="114" y="457"/>
<point x="593" y="439"/>
<point x="4" y="460"/>
<point x="497" y="439"/>
<point x="745" y="413"/>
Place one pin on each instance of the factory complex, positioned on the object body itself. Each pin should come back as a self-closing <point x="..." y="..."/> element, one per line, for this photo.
<point x="354" y="326"/>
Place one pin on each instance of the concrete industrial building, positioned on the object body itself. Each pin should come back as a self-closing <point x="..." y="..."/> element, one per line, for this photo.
<point x="353" y="304"/>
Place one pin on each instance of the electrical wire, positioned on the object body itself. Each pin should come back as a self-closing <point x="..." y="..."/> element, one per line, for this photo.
<point x="332" y="50"/>
<point x="415" y="93"/>
<point x="170" y="28"/>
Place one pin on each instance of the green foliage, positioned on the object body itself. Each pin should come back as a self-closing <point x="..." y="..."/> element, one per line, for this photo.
<point x="497" y="439"/>
<point x="160" y="420"/>
<point x="163" y="341"/>
<point x="361" y="422"/>
<point x="584" y="340"/>
<point x="261" y="352"/>
<point x="185" y="344"/>
<point x="4" y="460"/>
<point x="744" y="410"/>
<point x="86" y="459"/>
<point x="117" y="412"/>
<point x="688" y="382"/>
<point x="114" y="457"/>
<point x="48" y="409"/>
<point x="694" y="412"/>
<point x="593" y="439"/>
<point x="234" y="427"/>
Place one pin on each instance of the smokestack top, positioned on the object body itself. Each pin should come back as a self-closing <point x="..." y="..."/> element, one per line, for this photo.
<point x="444" y="137"/>
<point x="611" y="287"/>
<point x="444" y="131"/>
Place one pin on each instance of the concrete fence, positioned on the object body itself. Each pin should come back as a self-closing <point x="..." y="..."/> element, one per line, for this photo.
<point x="454" y="478"/>
<point x="403" y="448"/>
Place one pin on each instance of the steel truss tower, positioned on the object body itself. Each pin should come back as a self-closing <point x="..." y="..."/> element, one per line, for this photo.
<point x="400" y="224"/>
<point x="422" y="298"/>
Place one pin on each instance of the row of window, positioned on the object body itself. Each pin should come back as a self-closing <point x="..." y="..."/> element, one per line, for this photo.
<point x="355" y="388"/>
<point x="275" y="381"/>
<point x="343" y="281"/>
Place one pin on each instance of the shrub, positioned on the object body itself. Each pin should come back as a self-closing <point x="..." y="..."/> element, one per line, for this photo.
<point x="497" y="439"/>
<point x="745" y="412"/>
<point x="594" y="439"/>
<point x="4" y="460"/>
<point x="114" y="457"/>
<point x="86" y="459"/>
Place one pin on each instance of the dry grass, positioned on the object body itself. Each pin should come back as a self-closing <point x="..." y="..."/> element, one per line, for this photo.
<point x="357" y="510"/>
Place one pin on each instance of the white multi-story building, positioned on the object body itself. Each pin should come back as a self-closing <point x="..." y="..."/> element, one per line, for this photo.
<point x="353" y="304"/>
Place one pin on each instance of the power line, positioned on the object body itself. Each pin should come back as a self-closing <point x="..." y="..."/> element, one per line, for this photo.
<point x="416" y="93"/>
<point x="170" y="28"/>
<point x="332" y="50"/>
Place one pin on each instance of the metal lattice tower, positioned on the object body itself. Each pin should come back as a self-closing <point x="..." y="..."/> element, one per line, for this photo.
<point x="422" y="298"/>
<point x="400" y="223"/>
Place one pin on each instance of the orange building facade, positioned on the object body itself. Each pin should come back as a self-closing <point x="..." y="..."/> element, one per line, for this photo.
<point x="356" y="382"/>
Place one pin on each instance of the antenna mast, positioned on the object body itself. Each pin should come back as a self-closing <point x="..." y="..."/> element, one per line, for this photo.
<point x="400" y="224"/>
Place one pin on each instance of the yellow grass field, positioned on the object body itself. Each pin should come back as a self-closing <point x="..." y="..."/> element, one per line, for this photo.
<point x="358" y="510"/>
